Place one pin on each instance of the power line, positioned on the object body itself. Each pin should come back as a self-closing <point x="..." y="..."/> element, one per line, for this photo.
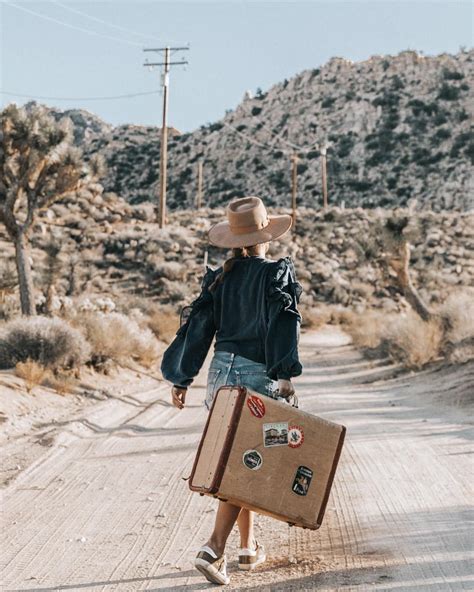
<point x="98" y="20"/>
<point x="277" y="137"/>
<point x="109" y="98"/>
<point x="252" y="140"/>
<point x="69" y="26"/>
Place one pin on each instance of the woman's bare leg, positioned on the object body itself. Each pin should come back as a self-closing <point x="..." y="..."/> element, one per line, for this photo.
<point x="245" y="522"/>
<point x="225" y="519"/>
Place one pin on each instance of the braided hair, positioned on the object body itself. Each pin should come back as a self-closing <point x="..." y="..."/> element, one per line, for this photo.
<point x="237" y="253"/>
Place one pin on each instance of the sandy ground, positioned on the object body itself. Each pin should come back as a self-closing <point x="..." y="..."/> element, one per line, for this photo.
<point x="104" y="507"/>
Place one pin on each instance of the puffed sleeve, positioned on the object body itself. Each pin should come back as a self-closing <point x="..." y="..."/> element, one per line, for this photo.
<point x="284" y="320"/>
<point x="185" y="355"/>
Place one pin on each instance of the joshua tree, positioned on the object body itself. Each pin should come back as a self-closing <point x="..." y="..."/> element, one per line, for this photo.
<point x="39" y="166"/>
<point x="389" y="247"/>
<point x="53" y="270"/>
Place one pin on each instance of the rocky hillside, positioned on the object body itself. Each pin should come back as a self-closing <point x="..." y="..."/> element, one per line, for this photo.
<point x="397" y="126"/>
<point x="109" y="248"/>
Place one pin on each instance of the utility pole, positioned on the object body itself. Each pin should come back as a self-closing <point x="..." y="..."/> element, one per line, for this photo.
<point x="294" y="170"/>
<point x="199" y="186"/>
<point x="324" y="177"/>
<point x="164" y="126"/>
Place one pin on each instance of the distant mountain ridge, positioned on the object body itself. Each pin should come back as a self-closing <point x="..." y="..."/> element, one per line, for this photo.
<point x="398" y="127"/>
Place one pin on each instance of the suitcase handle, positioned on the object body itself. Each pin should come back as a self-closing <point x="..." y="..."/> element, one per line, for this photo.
<point x="295" y="402"/>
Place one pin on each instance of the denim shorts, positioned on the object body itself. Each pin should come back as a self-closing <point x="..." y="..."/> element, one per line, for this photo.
<point x="232" y="369"/>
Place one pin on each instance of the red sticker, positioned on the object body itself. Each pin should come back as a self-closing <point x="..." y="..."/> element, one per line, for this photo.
<point x="295" y="436"/>
<point x="256" y="406"/>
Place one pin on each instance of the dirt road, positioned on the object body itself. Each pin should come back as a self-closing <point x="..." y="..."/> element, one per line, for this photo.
<point x="106" y="509"/>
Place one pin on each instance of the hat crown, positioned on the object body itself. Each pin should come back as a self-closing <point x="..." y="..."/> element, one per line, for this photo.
<point x="247" y="213"/>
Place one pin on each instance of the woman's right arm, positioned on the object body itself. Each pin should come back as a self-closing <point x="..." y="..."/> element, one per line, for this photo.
<point x="185" y="356"/>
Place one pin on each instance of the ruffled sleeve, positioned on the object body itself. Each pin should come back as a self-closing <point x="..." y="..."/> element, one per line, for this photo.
<point x="284" y="320"/>
<point x="185" y="356"/>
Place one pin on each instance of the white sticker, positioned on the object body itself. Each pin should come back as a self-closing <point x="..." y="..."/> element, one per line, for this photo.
<point x="275" y="434"/>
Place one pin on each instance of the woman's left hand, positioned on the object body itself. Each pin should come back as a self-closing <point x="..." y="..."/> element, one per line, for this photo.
<point x="178" y="396"/>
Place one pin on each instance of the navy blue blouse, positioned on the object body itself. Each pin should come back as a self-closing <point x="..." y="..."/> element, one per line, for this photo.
<point x="252" y="313"/>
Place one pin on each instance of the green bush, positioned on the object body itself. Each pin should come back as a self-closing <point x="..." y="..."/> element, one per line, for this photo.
<point x="328" y="102"/>
<point x="452" y="74"/>
<point x="449" y="93"/>
<point x="442" y="134"/>
<point x="461" y="142"/>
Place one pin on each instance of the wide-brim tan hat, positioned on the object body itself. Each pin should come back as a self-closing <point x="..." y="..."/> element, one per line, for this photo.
<point x="248" y="224"/>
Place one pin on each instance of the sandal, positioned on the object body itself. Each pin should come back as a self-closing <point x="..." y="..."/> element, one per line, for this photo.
<point x="213" y="568"/>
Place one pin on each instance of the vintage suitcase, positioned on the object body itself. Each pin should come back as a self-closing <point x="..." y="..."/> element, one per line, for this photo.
<point x="267" y="456"/>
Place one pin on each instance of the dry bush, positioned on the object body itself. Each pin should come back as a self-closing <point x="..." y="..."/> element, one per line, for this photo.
<point x="9" y="306"/>
<point x="31" y="372"/>
<point x="457" y="317"/>
<point x="63" y="384"/>
<point x="457" y="314"/>
<point x="367" y="329"/>
<point x="163" y="321"/>
<point x="53" y="343"/>
<point x="412" y="341"/>
<point x="173" y="291"/>
<point x="118" y="338"/>
<point x="314" y="317"/>
<point x="171" y="270"/>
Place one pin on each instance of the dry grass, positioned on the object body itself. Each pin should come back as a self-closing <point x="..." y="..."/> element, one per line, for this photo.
<point x="405" y="337"/>
<point x="118" y="338"/>
<point x="164" y="322"/>
<point x="412" y="341"/>
<point x="457" y="316"/>
<point x="321" y="314"/>
<point x="314" y="317"/>
<point x="367" y="329"/>
<point x="63" y="384"/>
<point x="457" y="313"/>
<point x="32" y="373"/>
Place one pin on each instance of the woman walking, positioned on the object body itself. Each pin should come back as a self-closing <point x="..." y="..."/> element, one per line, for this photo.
<point x="250" y="307"/>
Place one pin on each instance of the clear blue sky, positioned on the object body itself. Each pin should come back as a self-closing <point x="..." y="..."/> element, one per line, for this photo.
<point x="235" y="46"/>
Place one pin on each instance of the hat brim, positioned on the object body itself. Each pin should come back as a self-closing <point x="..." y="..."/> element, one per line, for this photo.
<point x="220" y="235"/>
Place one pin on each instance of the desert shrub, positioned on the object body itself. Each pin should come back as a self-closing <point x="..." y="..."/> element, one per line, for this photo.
<point x="314" y="317"/>
<point x="449" y="93"/>
<point x="171" y="270"/>
<point x="163" y="320"/>
<point x="457" y="316"/>
<point x="215" y="127"/>
<point x="53" y="343"/>
<point x="367" y="328"/>
<point x="412" y="341"/>
<point x="9" y="306"/>
<point x="117" y="338"/>
<point x="461" y="142"/>
<point x="442" y="134"/>
<point x="328" y="102"/>
<point x="31" y="372"/>
<point x="452" y="74"/>
<point x="63" y="384"/>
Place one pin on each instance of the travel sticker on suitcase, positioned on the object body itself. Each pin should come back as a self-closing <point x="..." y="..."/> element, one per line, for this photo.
<point x="275" y="434"/>
<point x="295" y="436"/>
<point x="252" y="459"/>
<point x="256" y="406"/>
<point x="302" y="480"/>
